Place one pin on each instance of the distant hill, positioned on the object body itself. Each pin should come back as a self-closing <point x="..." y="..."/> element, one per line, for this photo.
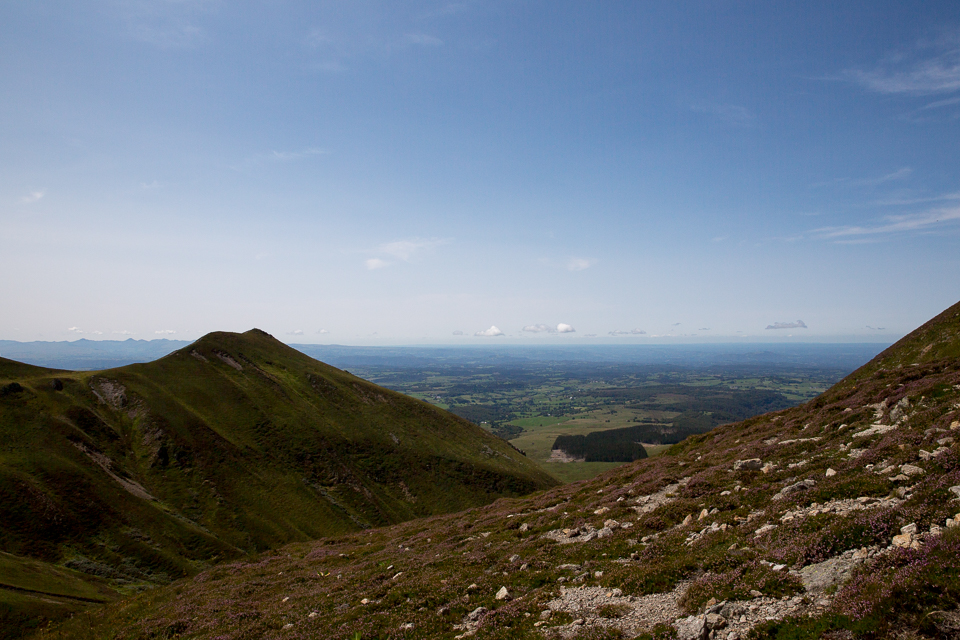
<point x="835" y="519"/>
<point x="132" y="477"/>
<point x="88" y="355"/>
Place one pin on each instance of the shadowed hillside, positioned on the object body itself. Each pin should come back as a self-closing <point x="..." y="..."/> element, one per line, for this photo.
<point x="835" y="519"/>
<point x="137" y="476"/>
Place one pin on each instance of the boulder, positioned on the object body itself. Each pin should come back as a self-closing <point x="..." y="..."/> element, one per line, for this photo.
<point x="910" y="470"/>
<point x="753" y="464"/>
<point x="692" y="628"/>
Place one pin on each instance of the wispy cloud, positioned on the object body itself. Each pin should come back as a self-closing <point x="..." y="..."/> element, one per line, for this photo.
<point x="730" y="114"/>
<point x="33" y="196"/>
<point x="930" y="68"/>
<point x="632" y="332"/>
<point x="165" y="332"/>
<point x="124" y="333"/>
<point x="939" y="104"/>
<point x="458" y="333"/>
<point x="891" y="225"/>
<point x="404" y="250"/>
<point x="167" y="24"/>
<point x="492" y="332"/>
<point x="423" y="39"/>
<point x="538" y="328"/>
<point x="787" y="325"/>
<point x="322" y="331"/>
<point x="338" y="52"/>
<point x="295" y="332"/>
<point x="277" y="157"/>
<point x="900" y="174"/>
<point x="910" y="201"/>
<point x="579" y="264"/>
<point x="74" y="330"/>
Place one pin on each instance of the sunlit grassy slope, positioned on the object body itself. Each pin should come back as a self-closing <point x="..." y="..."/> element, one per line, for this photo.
<point x="237" y="443"/>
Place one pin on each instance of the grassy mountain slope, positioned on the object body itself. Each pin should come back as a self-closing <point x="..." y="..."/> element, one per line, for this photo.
<point x="836" y="519"/>
<point x="237" y="443"/>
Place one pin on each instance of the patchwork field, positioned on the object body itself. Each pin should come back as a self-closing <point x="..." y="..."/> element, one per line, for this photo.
<point x="531" y="404"/>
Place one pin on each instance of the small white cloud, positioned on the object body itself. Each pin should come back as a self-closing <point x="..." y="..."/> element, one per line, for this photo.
<point x="492" y="332"/>
<point x="33" y="196"/>
<point x="538" y="328"/>
<point x="323" y="331"/>
<point x="295" y="332"/>
<point x="565" y="328"/>
<point x="376" y="263"/>
<point x="458" y="333"/>
<point x="579" y="264"/>
<point x="123" y="333"/>
<point x="787" y="325"/>
<point x="74" y="330"/>
<point x="97" y="333"/>
<point x="631" y="332"/>
<point x="165" y="331"/>
<point x="423" y="39"/>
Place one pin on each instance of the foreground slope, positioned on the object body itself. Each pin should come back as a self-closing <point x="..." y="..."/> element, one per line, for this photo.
<point x="833" y="519"/>
<point x="143" y="474"/>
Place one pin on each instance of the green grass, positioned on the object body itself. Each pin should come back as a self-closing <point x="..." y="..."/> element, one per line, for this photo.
<point x="539" y="421"/>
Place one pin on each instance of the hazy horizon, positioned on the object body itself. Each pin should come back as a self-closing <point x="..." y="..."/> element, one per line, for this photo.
<point x="430" y="173"/>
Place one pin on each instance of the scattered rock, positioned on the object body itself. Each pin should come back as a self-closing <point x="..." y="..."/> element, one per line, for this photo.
<point x="911" y="470"/>
<point x="803" y="485"/>
<point x="474" y="615"/>
<point x="830" y="473"/>
<point x="503" y="594"/>
<point x="715" y="621"/>
<point x="753" y="464"/>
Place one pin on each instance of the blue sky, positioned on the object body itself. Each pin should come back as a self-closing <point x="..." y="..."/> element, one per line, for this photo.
<point x="423" y="172"/>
